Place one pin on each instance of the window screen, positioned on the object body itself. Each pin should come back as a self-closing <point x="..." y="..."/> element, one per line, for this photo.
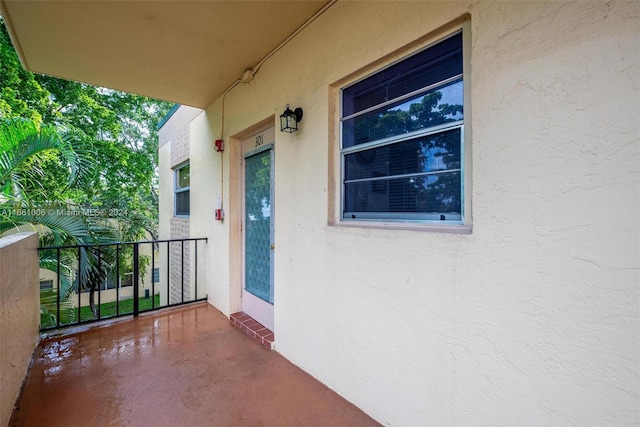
<point x="402" y="133"/>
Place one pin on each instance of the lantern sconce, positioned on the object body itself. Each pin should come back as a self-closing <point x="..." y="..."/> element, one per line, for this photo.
<point x="289" y="119"/>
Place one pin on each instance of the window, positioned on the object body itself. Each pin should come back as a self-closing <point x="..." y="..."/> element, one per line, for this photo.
<point x="46" y="284"/>
<point x="156" y="275"/>
<point x="111" y="281"/>
<point x="127" y="280"/>
<point x="182" y="182"/>
<point x="402" y="134"/>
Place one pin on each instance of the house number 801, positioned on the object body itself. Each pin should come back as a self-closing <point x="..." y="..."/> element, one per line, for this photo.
<point x="259" y="140"/>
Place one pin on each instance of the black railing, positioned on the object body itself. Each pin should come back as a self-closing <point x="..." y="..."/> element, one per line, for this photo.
<point x="94" y="269"/>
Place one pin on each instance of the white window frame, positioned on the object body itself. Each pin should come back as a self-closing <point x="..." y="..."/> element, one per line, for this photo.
<point x="177" y="191"/>
<point x="413" y="221"/>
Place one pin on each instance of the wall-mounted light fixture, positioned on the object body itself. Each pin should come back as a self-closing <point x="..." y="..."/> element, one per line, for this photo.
<point x="289" y="119"/>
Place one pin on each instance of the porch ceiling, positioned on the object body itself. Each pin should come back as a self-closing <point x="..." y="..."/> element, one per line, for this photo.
<point x="187" y="52"/>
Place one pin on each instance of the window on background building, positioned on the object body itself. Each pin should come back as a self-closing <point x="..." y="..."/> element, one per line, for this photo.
<point x="156" y="275"/>
<point x="127" y="280"/>
<point x="46" y="284"/>
<point x="402" y="139"/>
<point x="111" y="281"/>
<point x="182" y="184"/>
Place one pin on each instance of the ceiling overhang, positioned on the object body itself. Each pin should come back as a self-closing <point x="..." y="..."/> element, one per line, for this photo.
<point x="186" y="52"/>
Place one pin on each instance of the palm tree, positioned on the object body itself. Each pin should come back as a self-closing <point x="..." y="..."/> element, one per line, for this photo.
<point x="22" y="145"/>
<point x="23" y="148"/>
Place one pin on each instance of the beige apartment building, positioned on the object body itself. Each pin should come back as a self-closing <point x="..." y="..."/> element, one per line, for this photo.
<point x="452" y="234"/>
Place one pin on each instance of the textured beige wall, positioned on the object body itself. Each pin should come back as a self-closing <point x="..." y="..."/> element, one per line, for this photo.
<point x="176" y="123"/>
<point x="174" y="149"/>
<point x="179" y="226"/>
<point x="206" y="187"/>
<point x="19" y="314"/>
<point x="530" y="319"/>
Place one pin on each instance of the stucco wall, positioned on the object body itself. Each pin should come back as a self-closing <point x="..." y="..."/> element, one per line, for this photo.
<point x="19" y="314"/>
<point x="532" y="318"/>
<point x="175" y="149"/>
<point x="206" y="187"/>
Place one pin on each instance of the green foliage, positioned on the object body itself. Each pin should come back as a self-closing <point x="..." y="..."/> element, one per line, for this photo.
<point x="49" y="309"/>
<point x="20" y="94"/>
<point x="117" y="129"/>
<point x="22" y="145"/>
<point x="66" y="147"/>
<point x="24" y="149"/>
<point x="106" y="310"/>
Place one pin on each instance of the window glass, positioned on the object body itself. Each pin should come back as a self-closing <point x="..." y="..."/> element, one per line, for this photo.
<point x="420" y="112"/>
<point x="182" y="203"/>
<point x="431" y="197"/>
<point x="181" y="193"/>
<point x="183" y="177"/>
<point x="424" y="69"/>
<point x="402" y="139"/>
<point x="127" y="280"/>
<point x="432" y="153"/>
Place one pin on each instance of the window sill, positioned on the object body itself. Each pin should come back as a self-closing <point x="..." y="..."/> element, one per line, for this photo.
<point x="426" y="227"/>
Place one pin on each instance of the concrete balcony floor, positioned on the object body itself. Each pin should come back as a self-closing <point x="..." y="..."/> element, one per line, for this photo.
<point x="182" y="367"/>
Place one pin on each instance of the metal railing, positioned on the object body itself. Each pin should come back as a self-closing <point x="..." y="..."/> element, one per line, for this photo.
<point x="90" y="268"/>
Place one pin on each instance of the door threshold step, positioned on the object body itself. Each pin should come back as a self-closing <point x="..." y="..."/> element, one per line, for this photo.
<point x="254" y="329"/>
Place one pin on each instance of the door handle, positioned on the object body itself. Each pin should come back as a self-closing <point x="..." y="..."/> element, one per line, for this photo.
<point x="273" y="247"/>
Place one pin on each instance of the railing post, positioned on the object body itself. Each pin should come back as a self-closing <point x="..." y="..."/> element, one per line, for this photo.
<point x="58" y="288"/>
<point x="87" y="253"/>
<point x="99" y="282"/>
<point x="153" y="276"/>
<point x="182" y="271"/>
<point x="136" y="278"/>
<point x="79" y="283"/>
<point x="117" y="280"/>
<point x="195" y="244"/>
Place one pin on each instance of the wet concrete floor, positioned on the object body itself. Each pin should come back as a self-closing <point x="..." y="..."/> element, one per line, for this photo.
<point x="183" y="367"/>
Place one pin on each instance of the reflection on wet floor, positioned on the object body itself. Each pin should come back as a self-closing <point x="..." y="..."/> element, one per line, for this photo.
<point x="183" y="367"/>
